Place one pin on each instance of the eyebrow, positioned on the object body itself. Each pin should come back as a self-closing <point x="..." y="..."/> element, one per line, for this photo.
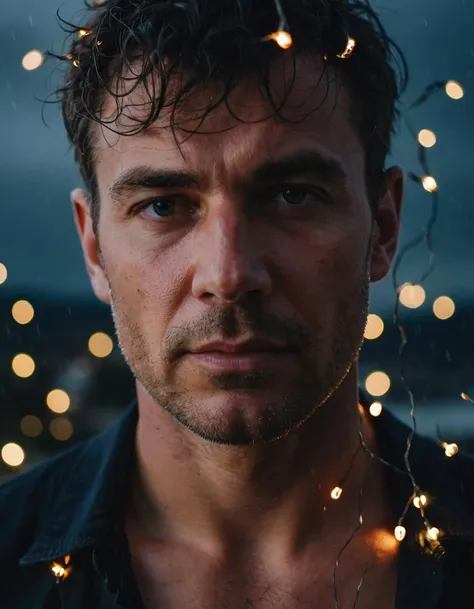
<point x="144" y="177"/>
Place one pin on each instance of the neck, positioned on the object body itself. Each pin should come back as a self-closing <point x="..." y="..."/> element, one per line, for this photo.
<point x="273" y="495"/>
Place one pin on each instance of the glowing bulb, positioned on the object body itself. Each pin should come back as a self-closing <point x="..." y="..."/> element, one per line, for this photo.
<point x="83" y="33"/>
<point x="420" y="501"/>
<point x="75" y="63"/>
<point x="22" y="312"/>
<point x="350" y="46"/>
<point x="59" y="571"/>
<point x="433" y="533"/>
<point x="3" y="273"/>
<point x="412" y="296"/>
<point x="454" y="90"/>
<point x="427" y="138"/>
<point x="467" y="398"/>
<point x="377" y="383"/>
<point x="400" y="533"/>
<point x="100" y="344"/>
<point x="32" y="60"/>
<point x="429" y="183"/>
<point x="450" y="449"/>
<point x="282" y="38"/>
<point x="375" y="409"/>
<point x="374" y="327"/>
<point x="336" y="493"/>
<point x="13" y="454"/>
<point x="444" y="307"/>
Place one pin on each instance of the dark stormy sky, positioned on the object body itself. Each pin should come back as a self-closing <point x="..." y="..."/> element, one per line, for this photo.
<point x="38" y="243"/>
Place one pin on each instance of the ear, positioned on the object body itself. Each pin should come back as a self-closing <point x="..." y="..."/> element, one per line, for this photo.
<point x="81" y="202"/>
<point x="386" y="225"/>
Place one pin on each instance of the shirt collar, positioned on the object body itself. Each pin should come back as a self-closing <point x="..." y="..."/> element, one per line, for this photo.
<point x="84" y="510"/>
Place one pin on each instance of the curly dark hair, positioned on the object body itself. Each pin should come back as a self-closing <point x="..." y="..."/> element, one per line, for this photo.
<point x="218" y="43"/>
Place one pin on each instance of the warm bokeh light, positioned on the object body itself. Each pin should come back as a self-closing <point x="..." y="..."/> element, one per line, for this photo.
<point x="336" y="492"/>
<point x="61" y="429"/>
<point x="23" y="365"/>
<point x="374" y="327"/>
<point x="412" y="296"/>
<point x="3" y="273"/>
<point x="31" y="426"/>
<point x="23" y="312"/>
<point x="32" y="60"/>
<point x="58" y="401"/>
<point x="282" y="38"/>
<point x="427" y="138"/>
<point x="100" y="344"/>
<point x="13" y="454"/>
<point x="454" y="89"/>
<point x="376" y="409"/>
<point x="400" y="533"/>
<point x="377" y="383"/>
<point x="83" y="33"/>
<point x="433" y="533"/>
<point x="444" y="307"/>
<point x="382" y="543"/>
<point x="466" y="397"/>
<point x="429" y="183"/>
<point x="450" y="449"/>
<point x="420" y="501"/>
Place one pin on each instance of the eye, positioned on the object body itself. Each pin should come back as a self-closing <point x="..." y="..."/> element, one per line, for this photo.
<point x="296" y="195"/>
<point x="162" y="207"/>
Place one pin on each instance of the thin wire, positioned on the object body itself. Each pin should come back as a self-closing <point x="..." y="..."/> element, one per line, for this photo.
<point x="374" y="455"/>
<point x="351" y="463"/>
<point x="359" y="587"/>
<point x="427" y="236"/>
<point x="341" y="551"/>
<point x="281" y="15"/>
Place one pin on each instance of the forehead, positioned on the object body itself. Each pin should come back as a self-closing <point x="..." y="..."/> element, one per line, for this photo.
<point x="315" y="114"/>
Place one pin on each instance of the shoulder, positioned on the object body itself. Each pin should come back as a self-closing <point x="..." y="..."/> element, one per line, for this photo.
<point x="27" y="499"/>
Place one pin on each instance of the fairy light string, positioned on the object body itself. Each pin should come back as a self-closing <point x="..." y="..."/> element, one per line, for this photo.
<point x="426" y="235"/>
<point x="282" y="36"/>
<point x="360" y="521"/>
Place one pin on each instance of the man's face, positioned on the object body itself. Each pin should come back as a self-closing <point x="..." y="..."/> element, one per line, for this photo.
<point x="266" y="233"/>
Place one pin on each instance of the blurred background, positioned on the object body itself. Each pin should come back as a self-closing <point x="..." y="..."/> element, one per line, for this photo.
<point x="62" y="376"/>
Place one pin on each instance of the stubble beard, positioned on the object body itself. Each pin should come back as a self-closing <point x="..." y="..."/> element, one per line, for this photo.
<point x="314" y="385"/>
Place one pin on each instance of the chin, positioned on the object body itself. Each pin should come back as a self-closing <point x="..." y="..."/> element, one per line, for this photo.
<point x="244" y="417"/>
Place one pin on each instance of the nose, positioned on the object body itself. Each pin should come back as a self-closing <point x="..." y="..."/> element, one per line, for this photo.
<point x="228" y="258"/>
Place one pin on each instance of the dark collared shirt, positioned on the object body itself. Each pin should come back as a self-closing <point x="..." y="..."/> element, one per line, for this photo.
<point x="70" y="506"/>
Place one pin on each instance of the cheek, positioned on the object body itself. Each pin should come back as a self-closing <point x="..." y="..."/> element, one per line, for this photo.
<point x="146" y="284"/>
<point x="322" y="269"/>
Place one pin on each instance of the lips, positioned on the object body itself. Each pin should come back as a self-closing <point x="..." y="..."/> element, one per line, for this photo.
<point x="245" y="356"/>
<point x="251" y="345"/>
